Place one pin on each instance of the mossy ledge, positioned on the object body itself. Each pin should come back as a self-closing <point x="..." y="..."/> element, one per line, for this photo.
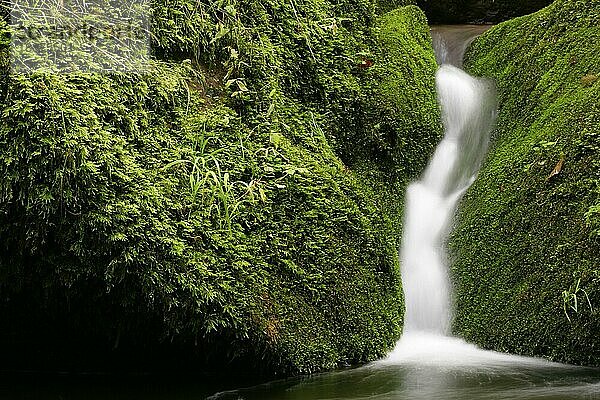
<point x="527" y="240"/>
<point x="237" y="205"/>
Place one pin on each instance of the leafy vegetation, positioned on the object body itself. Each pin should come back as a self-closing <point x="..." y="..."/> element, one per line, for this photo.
<point x="571" y="299"/>
<point x="239" y="199"/>
<point x="526" y="245"/>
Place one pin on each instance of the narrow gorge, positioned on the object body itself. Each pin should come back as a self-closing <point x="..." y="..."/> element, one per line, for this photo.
<point x="346" y="199"/>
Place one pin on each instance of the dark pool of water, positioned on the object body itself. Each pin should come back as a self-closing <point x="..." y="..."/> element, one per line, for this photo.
<point x="432" y="367"/>
<point x="373" y="382"/>
<point x="108" y="387"/>
<point x="431" y="383"/>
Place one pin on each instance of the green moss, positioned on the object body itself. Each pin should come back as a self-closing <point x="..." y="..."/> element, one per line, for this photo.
<point x="526" y="234"/>
<point x="211" y="210"/>
<point x="400" y="106"/>
<point x="384" y="6"/>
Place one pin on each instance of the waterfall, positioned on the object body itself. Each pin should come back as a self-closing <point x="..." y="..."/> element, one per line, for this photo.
<point x="468" y="109"/>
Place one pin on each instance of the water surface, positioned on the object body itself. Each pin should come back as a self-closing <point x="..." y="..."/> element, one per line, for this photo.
<point x="433" y="367"/>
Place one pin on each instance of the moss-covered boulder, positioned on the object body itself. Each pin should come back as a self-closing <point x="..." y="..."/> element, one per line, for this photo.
<point x="527" y="242"/>
<point x="235" y="204"/>
<point x="478" y="11"/>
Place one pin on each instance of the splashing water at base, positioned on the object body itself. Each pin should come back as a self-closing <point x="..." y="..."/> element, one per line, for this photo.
<point x="422" y="349"/>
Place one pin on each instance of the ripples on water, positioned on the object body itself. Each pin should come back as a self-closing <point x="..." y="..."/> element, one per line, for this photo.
<point x="437" y="368"/>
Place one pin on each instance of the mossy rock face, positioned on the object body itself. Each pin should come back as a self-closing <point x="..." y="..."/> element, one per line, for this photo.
<point x="209" y="212"/>
<point x="527" y="242"/>
<point x="478" y="11"/>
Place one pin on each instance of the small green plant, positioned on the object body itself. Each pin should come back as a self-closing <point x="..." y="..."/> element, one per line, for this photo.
<point x="210" y="186"/>
<point x="223" y="197"/>
<point x="571" y="300"/>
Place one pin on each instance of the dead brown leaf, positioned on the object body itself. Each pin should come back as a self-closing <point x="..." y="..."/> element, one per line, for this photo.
<point x="557" y="169"/>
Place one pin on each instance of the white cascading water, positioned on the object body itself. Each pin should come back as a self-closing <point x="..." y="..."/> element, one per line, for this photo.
<point x="468" y="108"/>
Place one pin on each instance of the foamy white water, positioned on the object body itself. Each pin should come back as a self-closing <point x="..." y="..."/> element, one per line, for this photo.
<point x="426" y="349"/>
